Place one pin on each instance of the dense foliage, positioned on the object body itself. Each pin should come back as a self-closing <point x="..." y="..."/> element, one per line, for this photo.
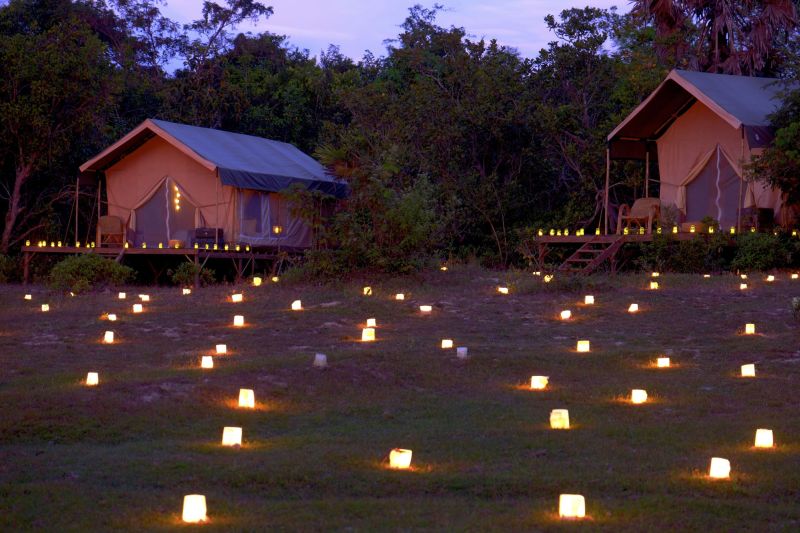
<point x="451" y="146"/>
<point x="81" y="273"/>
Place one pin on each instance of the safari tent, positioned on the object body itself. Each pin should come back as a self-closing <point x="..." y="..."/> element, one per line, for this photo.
<point x="702" y="129"/>
<point x="164" y="181"/>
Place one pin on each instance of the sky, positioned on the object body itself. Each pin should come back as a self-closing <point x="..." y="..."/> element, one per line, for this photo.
<point x="359" y="25"/>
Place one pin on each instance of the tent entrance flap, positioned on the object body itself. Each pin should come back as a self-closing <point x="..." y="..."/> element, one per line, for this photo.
<point x="714" y="192"/>
<point x="167" y="214"/>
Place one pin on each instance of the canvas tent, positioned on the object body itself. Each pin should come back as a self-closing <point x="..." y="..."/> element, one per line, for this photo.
<point x="702" y="129"/>
<point x="164" y="180"/>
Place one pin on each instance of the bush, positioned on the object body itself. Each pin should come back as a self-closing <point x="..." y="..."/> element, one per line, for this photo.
<point x="184" y="275"/>
<point x="701" y="254"/>
<point x="761" y="251"/>
<point x="85" y="272"/>
<point x="9" y="268"/>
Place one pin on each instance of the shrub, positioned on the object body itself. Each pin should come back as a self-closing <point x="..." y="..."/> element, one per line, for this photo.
<point x="184" y="275"/>
<point x="760" y="251"/>
<point x="87" y="272"/>
<point x="9" y="268"/>
<point x="701" y="254"/>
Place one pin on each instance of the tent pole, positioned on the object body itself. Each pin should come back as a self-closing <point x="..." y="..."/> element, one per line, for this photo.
<point x="741" y="185"/>
<point x="99" y="196"/>
<point x="605" y="196"/>
<point x="77" y="196"/>
<point x="646" y="171"/>
<point x="216" y="209"/>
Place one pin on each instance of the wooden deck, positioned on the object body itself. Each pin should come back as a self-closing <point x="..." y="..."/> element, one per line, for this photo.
<point x="241" y="259"/>
<point x="587" y="259"/>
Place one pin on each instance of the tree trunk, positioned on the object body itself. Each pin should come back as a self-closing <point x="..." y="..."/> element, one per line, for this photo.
<point x="23" y="171"/>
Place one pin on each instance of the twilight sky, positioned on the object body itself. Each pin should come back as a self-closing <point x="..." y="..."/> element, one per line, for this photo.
<point x="358" y="25"/>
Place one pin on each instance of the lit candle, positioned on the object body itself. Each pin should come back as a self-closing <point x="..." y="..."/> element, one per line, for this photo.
<point x="425" y="309"/>
<point x="108" y="337"/>
<point x="400" y="459"/>
<point x="45" y="308"/>
<point x="186" y="292"/>
<point x="502" y="290"/>
<point x="742" y="286"/>
<point x="207" y="362"/>
<point x="28" y="297"/>
<point x="320" y="360"/>
<point x="663" y="362"/>
<point x="297" y="305"/>
<point x="559" y="419"/>
<point x="122" y="296"/>
<point x="194" y="508"/>
<point x="92" y="379"/>
<point x="367" y="334"/>
<point x="539" y="382"/>
<point x="231" y="436"/>
<point x="583" y="346"/>
<point x="633" y="308"/>
<point x="638" y="396"/>
<point x="749" y="371"/>
<point x="770" y="278"/>
<point x="222" y="349"/>
<point x="275" y="279"/>
<point x="653" y="285"/>
<point x="566" y="314"/>
<point x="706" y="276"/>
<point x="720" y="468"/>
<point x="548" y="278"/>
<point x="237" y="297"/>
<point x="144" y="297"/>
<point x="571" y="506"/>
<point x="367" y="291"/>
<point x="655" y="274"/>
<point x="399" y="296"/>
<point x="257" y="281"/>
<point x="794" y="276"/>
<point x="462" y="352"/>
<point x="112" y="317"/>
<point x="764" y="438"/>
<point x="238" y="321"/>
<point x="137" y="308"/>
<point x="588" y="299"/>
<point x="247" y="398"/>
<point x="447" y="343"/>
<point x="749" y="329"/>
<point x="371" y="323"/>
<point x="743" y="276"/>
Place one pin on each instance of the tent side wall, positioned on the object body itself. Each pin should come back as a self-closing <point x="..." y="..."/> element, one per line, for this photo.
<point x="691" y="137"/>
<point x="133" y="178"/>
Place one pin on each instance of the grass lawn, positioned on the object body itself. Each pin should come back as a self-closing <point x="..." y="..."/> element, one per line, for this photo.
<point x="122" y="455"/>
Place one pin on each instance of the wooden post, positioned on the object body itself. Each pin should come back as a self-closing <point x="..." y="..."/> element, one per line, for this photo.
<point x="741" y="185"/>
<point x="196" y="269"/>
<point x="646" y="171"/>
<point x="77" y="197"/>
<point x="99" y="196"/>
<point x="26" y="267"/>
<point x="605" y="196"/>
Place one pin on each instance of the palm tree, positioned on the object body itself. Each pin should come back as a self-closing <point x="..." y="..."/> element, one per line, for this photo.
<point x="730" y="36"/>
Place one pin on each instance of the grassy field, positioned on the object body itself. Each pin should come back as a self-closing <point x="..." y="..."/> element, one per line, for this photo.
<point x="123" y="454"/>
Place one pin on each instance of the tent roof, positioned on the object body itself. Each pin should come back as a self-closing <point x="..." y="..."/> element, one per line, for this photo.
<point x="741" y="101"/>
<point x="243" y="161"/>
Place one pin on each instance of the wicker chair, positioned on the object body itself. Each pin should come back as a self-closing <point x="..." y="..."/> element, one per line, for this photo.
<point x="643" y="213"/>
<point x="110" y="231"/>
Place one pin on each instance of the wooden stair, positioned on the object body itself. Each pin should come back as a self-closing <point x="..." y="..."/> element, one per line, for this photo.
<point x="592" y="254"/>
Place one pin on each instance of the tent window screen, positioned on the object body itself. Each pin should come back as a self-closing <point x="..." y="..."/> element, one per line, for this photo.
<point x="262" y="215"/>
<point x="166" y="215"/>
<point x="716" y="192"/>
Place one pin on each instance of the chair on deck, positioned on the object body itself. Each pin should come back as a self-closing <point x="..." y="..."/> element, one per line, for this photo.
<point x="110" y="231"/>
<point x="644" y="211"/>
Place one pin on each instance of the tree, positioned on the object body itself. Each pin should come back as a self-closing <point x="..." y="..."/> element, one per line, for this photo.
<point x="56" y="86"/>
<point x="734" y="37"/>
